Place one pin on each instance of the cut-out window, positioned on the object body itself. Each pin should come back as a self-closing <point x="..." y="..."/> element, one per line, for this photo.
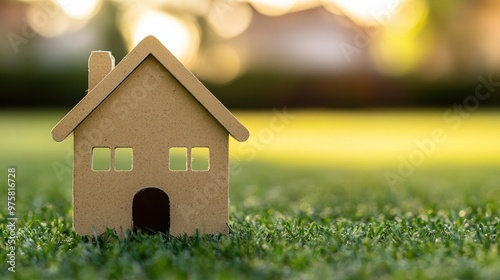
<point x="177" y="159"/>
<point x="200" y="159"/>
<point x="101" y="159"/>
<point x="123" y="159"/>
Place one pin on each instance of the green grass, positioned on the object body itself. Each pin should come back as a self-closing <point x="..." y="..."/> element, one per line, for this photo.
<point x="286" y="220"/>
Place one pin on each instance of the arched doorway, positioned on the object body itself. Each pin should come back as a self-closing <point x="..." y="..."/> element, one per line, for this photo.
<point x="151" y="211"/>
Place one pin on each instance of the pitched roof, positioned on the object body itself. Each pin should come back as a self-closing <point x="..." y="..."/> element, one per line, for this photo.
<point x="149" y="46"/>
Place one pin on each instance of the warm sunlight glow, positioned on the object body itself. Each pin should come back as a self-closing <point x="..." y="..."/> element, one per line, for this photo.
<point x="181" y="36"/>
<point x="365" y="12"/>
<point x="403" y="44"/>
<point x="79" y="9"/>
<point x="229" y="21"/>
<point x="396" y="55"/>
<point x="364" y="138"/>
<point x="219" y="64"/>
<point x="47" y="25"/>
<point x="273" y="7"/>
<point x="192" y="7"/>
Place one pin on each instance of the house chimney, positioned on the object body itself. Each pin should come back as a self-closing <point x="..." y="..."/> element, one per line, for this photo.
<point x="100" y="64"/>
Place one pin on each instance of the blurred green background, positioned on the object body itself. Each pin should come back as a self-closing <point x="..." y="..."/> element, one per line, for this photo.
<point x="257" y="54"/>
<point x="324" y="83"/>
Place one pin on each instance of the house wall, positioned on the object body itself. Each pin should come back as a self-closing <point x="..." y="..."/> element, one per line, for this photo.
<point x="150" y="112"/>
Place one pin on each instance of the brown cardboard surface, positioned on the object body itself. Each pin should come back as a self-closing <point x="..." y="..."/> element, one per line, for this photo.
<point x="100" y="64"/>
<point x="149" y="103"/>
<point x="149" y="46"/>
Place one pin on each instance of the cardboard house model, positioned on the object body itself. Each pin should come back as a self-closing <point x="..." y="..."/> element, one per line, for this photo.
<point x="151" y="109"/>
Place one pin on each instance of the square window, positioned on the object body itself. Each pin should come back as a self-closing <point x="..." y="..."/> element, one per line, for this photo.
<point x="101" y="159"/>
<point x="177" y="159"/>
<point x="200" y="159"/>
<point x="123" y="159"/>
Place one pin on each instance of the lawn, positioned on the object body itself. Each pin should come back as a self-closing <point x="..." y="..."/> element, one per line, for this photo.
<point x="309" y="197"/>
